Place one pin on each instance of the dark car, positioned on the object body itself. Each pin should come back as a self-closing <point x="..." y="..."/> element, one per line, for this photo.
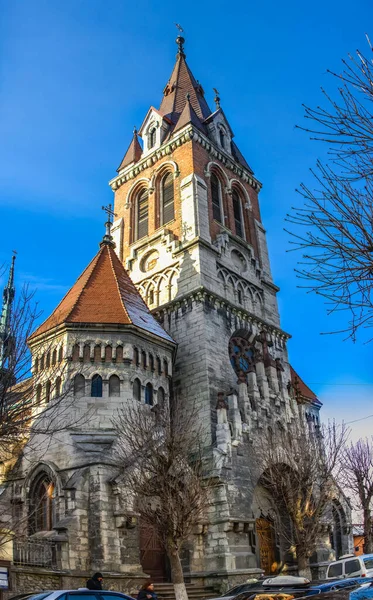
<point x="81" y="594"/>
<point x="332" y="590"/>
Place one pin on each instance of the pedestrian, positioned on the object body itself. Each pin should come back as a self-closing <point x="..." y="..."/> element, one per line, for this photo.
<point x="147" y="592"/>
<point x="95" y="583"/>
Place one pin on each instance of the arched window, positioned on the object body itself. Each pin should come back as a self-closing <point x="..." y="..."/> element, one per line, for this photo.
<point x="237" y="211"/>
<point x="54" y="356"/>
<point x="167" y="199"/>
<point x="97" y="353"/>
<point x="136" y="358"/>
<point x="222" y="138"/>
<point x="108" y="353"/>
<point x="36" y="365"/>
<point x="38" y="393"/>
<point x="58" y="387"/>
<point x="114" y="386"/>
<point x="241" y="355"/>
<point x="47" y="391"/>
<point x="75" y="353"/>
<point x="143" y="359"/>
<point x="142" y="214"/>
<point x="119" y="354"/>
<point x="60" y="354"/>
<point x="152" y="137"/>
<point x="149" y="394"/>
<point x="96" y="386"/>
<point x="165" y="367"/>
<point x="42" y="362"/>
<point x="216" y="198"/>
<point x="159" y="365"/>
<point x="42" y="504"/>
<point x="160" y="397"/>
<point x="239" y="296"/>
<point x="79" y="386"/>
<point x="48" y="360"/>
<point x="86" y="353"/>
<point x="137" y="390"/>
<point x="151" y="362"/>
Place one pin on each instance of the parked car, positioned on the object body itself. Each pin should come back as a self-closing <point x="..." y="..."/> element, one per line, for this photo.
<point x="281" y="583"/>
<point x="81" y="594"/>
<point x="351" y="566"/>
<point x="298" y="587"/>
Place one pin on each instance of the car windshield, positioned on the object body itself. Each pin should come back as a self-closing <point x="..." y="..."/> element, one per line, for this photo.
<point x="368" y="562"/>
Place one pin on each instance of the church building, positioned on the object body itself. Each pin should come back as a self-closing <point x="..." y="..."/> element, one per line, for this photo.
<point x="179" y="302"/>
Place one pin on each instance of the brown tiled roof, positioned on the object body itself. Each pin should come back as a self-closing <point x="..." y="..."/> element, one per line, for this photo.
<point x="301" y="388"/>
<point x="189" y="116"/>
<point x="104" y="294"/>
<point x="133" y="153"/>
<point x="180" y="84"/>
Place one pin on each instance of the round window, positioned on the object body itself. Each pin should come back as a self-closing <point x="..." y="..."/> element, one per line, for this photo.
<point x="149" y="262"/>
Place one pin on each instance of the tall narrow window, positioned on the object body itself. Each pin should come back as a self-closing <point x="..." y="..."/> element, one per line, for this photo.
<point x="60" y="354"/>
<point x="36" y="365"/>
<point x="137" y="390"/>
<point x="97" y="353"/>
<point x="42" y="504"/>
<point x="96" y="386"/>
<point x="47" y="391"/>
<point x="152" y="137"/>
<point x="167" y="201"/>
<point x="136" y="358"/>
<point x="54" y="356"/>
<point x="58" y="387"/>
<point x="143" y="360"/>
<point x="38" y="393"/>
<point x="165" y="367"/>
<point x="79" y="386"/>
<point x="142" y="215"/>
<point x="114" y="386"/>
<point x="75" y="353"/>
<point x="222" y="138"/>
<point x="149" y="394"/>
<point x="151" y="362"/>
<point x="216" y="198"/>
<point x="159" y="365"/>
<point x="237" y="214"/>
<point x="48" y="360"/>
<point x="160" y="397"/>
<point x="86" y="353"/>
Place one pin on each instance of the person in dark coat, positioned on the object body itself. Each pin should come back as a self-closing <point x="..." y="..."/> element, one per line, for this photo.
<point x="95" y="583"/>
<point x="147" y="592"/>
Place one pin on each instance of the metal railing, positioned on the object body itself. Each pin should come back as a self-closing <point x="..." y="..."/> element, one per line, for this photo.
<point x="36" y="553"/>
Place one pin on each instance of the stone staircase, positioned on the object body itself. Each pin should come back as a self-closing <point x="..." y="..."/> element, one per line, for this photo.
<point x="165" y="591"/>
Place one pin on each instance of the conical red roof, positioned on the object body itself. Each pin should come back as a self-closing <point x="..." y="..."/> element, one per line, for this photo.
<point x="104" y="294"/>
<point x="133" y="153"/>
<point x="180" y="84"/>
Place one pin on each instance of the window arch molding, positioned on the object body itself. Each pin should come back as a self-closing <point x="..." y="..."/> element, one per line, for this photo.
<point x="217" y="196"/>
<point x="237" y="200"/>
<point x="241" y="190"/>
<point x="50" y="470"/>
<point x="213" y="166"/>
<point x="140" y="213"/>
<point x="143" y="182"/>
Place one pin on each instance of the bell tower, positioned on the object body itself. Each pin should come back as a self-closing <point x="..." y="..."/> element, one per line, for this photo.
<point x="189" y="232"/>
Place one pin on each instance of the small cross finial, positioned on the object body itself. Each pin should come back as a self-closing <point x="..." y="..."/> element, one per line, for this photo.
<point x="217" y="98"/>
<point x="108" y="239"/>
<point x="134" y="132"/>
<point x="187" y="96"/>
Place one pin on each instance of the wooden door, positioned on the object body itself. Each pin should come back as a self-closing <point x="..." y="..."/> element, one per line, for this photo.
<point x="265" y="533"/>
<point x="152" y="554"/>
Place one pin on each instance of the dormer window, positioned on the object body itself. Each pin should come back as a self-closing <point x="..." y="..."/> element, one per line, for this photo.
<point x="152" y="137"/>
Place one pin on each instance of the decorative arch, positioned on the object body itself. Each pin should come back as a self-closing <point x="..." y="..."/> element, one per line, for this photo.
<point x="149" y="394"/>
<point x="213" y="166"/>
<point x="42" y="485"/>
<point x="137" y="389"/>
<point x="79" y="385"/>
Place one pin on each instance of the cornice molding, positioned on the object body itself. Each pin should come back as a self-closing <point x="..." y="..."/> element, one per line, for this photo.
<point x="189" y="133"/>
<point x="202" y="294"/>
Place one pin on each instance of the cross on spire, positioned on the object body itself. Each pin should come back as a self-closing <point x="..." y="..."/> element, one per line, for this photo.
<point x="108" y="238"/>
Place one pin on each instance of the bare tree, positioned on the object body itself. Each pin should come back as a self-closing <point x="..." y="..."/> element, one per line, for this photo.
<point x="34" y="405"/>
<point x="356" y="475"/>
<point x="160" y="452"/>
<point x="299" y="467"/>
<point x="337" y="217"/>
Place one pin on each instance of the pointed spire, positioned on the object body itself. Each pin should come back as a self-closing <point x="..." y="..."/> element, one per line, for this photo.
<point x="6" y="313"/>
<point x="107" y="240"/>
<point x="133" y="154"/>
<point x="189" y="116"/>
<point x="180" y="83"/>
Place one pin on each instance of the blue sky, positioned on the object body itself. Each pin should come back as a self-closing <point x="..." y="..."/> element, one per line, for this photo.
<point x="76" y="76"/>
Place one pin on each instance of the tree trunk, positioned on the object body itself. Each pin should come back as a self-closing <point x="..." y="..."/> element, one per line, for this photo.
<point x="368" y="534"/>
<point x="303" y="564"/>
<point x="177" y="574"/>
